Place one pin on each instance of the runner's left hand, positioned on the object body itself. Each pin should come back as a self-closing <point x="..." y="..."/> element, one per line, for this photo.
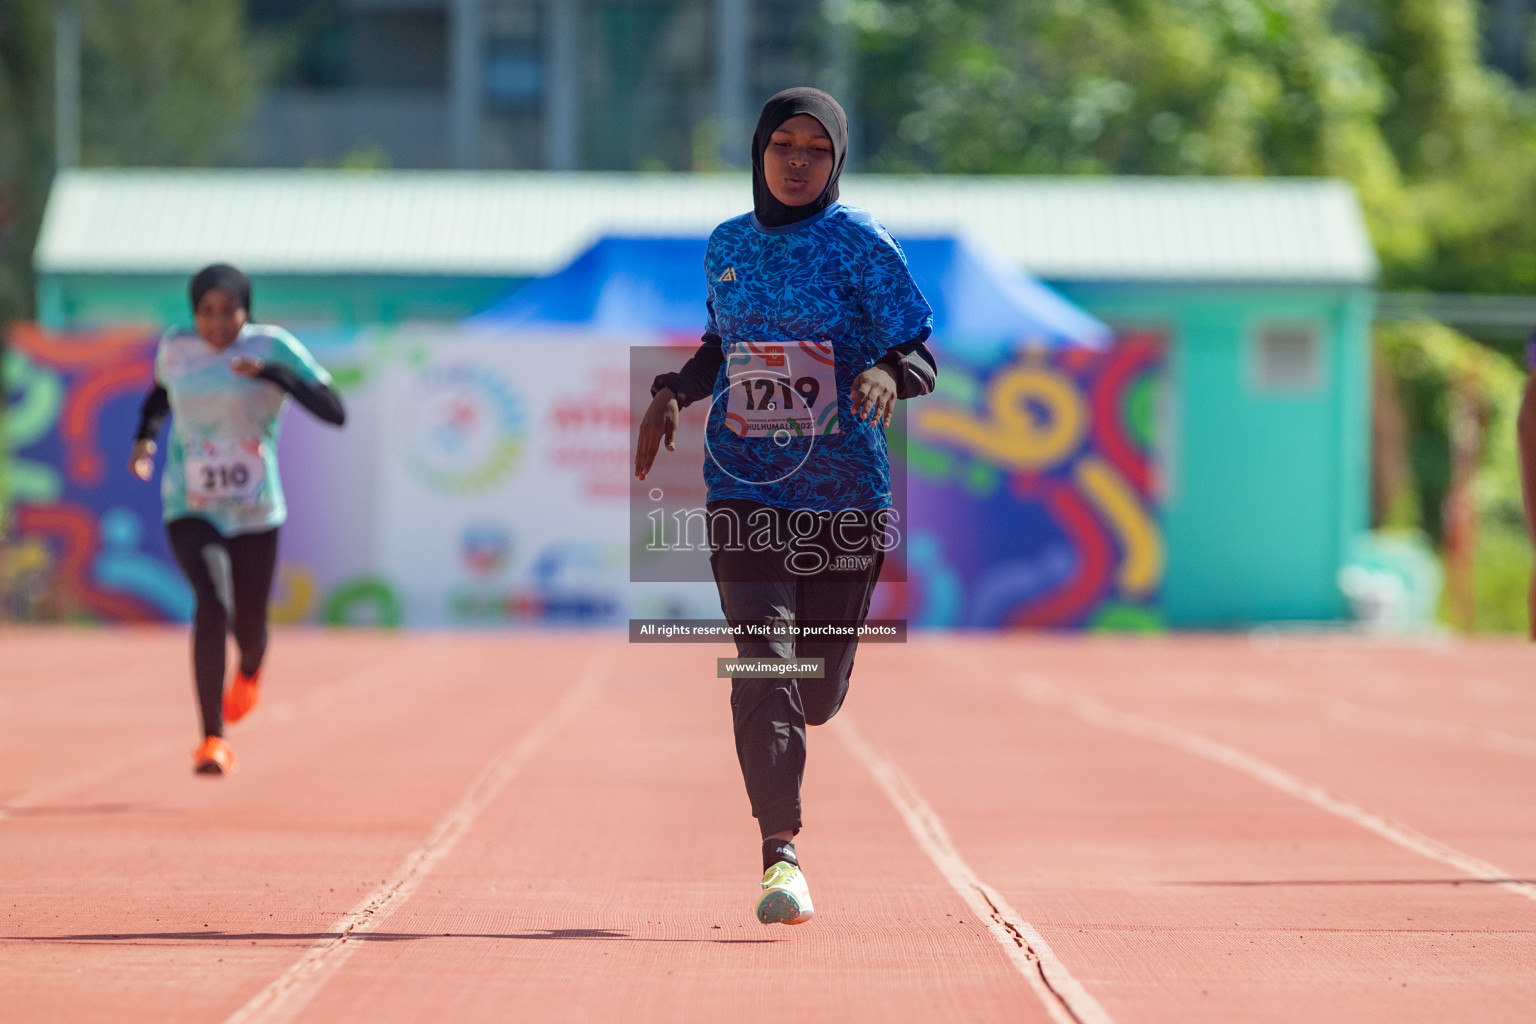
<point x="245" y="366"/>
<point x="873" y="396"/>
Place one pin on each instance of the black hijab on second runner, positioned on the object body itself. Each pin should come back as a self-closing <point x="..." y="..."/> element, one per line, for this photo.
<point x="221" y="275"/>
<point x="783" y="106"/>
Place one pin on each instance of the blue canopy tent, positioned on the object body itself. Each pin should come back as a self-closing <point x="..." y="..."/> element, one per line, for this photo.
<point x="658" y="283"/>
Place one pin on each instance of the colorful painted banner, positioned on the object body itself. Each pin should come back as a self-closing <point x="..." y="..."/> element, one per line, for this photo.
<point x="483" y="481"/>
<point x="1031" y="491"/>
<point x="86" y="539"/>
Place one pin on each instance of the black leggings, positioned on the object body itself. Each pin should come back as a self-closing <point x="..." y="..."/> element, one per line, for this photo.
<point x="764" y="587"/>
<point x="231" y="577"/>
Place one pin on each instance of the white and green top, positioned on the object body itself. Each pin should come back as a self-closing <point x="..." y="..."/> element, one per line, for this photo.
<point x="221" y="455"/>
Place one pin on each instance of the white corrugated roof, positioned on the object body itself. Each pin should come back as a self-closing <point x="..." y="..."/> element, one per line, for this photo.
<point x="518" y="224"/>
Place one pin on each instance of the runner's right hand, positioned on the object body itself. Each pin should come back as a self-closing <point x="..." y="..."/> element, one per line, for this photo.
<point x="659" y="423"/>
<point x="142" y="462"/>
<point x="245" y="366"/>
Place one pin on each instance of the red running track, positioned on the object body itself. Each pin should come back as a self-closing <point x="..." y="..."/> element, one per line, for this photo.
<point x="552" y="828"/>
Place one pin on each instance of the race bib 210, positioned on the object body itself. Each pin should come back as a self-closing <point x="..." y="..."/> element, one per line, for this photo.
<point x="221" y="474"/>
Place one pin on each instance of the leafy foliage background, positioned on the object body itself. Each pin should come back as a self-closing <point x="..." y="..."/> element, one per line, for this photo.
<point x="1392" y="95"/>
<point x="164" y="83"/>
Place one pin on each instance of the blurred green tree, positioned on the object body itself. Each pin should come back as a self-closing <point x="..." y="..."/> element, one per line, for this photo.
<point x="164" y="82"/>
<point x="26" y="142"/>
<point x="1391" y="95"/>
<point x="1465" y="137"/>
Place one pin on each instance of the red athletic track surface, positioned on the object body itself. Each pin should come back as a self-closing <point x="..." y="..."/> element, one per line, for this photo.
<point x="552" y="828"/>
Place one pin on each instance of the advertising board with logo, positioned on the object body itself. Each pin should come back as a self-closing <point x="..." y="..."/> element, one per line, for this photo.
<point x="502" y="491"/>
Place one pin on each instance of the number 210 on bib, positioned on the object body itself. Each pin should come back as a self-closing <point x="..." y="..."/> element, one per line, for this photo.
<point x="224" y="473"/>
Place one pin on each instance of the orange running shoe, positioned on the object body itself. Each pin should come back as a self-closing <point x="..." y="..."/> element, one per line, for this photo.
<point x="213" y="757"/>
<point x="244" y="694"/>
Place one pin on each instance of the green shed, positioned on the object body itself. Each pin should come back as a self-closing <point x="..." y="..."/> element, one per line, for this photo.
<point x="1262" y="291"/>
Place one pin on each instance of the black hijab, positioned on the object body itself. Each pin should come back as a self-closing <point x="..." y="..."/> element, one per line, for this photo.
<point x="770" y="212"/>
<point x="222" y="275"/>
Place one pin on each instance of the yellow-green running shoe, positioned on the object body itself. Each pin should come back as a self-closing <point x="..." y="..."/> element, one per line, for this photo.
<point x="786" y="899"/>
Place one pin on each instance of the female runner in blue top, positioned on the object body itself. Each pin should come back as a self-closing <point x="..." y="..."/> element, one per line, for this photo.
<point x="815" y="329"/>
<point x="224" y="386"/>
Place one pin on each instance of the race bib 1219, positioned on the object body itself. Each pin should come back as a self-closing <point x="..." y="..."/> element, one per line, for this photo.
<point x="781" y="390"/>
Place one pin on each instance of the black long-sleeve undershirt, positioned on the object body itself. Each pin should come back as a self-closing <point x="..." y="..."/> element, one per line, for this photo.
<point x="152" y="413"/>
<point x="696" y="379"/>
<point x="319" y="399"/>
<point x="911" y="365"/>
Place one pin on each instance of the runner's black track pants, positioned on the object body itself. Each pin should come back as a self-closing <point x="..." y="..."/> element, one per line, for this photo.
<point x="231" y="578"/>
<point x="770" y="715"/>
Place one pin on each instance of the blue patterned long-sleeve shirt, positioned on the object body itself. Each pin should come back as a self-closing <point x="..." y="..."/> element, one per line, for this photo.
<point x="798" y="312"/>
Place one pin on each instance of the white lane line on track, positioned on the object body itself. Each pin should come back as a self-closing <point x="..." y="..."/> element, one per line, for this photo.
<point x="290" y="992"/>
<point x="1096" y="712"/>
<point x="1264" y="690"/>
<point x="1390" y="723"/>
<point x="1064" y="997"/>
